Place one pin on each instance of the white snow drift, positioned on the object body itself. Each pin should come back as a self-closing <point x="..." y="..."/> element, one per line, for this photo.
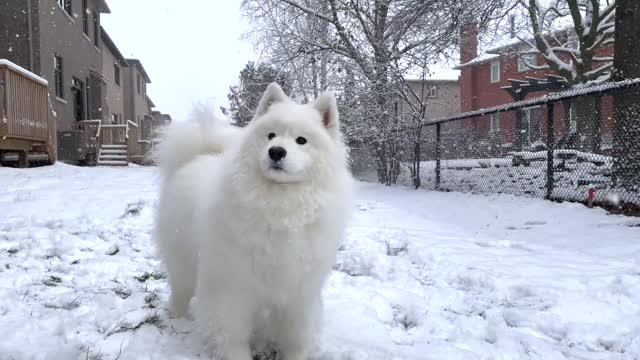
<point x="422" y="275"/>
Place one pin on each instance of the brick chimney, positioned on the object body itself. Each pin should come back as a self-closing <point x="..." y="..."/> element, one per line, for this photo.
<point x="468" y="42"/>
<point x="468" y="52"/>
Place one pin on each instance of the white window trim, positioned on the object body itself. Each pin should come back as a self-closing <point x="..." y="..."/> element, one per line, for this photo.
<point x="432" y="92"/>
<point x="527" y="114"/>
<point x="55" y="73"/>
<point x="573" y="123"/>
<point x="522" y="65"/>
<point x="114" y="75"/>
<point x="492" y="128"/>
<point x="69" y="16"/>
<point x="491" y="72"/>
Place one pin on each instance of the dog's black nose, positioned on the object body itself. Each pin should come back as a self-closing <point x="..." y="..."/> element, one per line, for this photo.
<point x="276" y="153"/>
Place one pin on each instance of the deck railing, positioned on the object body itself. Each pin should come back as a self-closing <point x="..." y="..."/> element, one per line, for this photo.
<point x="99" y="134"/>
<point x="26" y="117"/>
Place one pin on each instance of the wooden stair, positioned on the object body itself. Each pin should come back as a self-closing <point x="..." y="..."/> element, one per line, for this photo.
<point x="113" y="155"/>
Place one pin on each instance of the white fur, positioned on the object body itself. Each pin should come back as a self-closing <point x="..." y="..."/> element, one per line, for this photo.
<point x="255" y="243"/>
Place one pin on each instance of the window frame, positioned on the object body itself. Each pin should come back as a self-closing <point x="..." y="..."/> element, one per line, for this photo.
<point x="66" y="6"/>
<point x="531" y="58"/>
<point x="117" y="75"/>
<point x="494" y="123"/>
<point x="85" y="17"/>
<point x="58" y="71"/>
<point x="96" y="28"/>
<point x="495" y="79"/>
<point x="527" y="113"/>
<point x="573" y="122"/>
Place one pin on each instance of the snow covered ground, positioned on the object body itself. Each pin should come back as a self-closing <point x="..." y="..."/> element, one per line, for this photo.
<point x="422" y="275"/>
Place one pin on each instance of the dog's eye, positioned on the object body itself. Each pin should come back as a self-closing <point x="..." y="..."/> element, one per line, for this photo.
<point x="300" y="140"/>
<point x="271" y="136"/>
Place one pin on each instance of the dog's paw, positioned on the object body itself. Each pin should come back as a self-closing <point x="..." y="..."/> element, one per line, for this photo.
<point x="237" y="354"/>
<point x="179" y="311"/>
<point x="295" y="355"/>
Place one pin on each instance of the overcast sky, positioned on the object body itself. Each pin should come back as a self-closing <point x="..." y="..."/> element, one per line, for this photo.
<point x="190" y="48"/>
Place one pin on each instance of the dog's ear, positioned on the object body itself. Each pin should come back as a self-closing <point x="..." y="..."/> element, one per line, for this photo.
<point x="327" y="106"/>
<point x="272" y="95"/>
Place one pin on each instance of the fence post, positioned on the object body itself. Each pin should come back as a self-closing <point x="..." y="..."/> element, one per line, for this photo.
<point x="438" y="146"/>
<point x="550" y="150"/>
<point x="598" y="124"/>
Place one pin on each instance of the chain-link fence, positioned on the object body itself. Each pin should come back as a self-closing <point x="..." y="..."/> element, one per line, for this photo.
<point x="569" y="146"/>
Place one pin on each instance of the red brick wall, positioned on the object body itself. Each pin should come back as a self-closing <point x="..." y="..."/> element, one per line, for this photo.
<point x="478" y="92"/>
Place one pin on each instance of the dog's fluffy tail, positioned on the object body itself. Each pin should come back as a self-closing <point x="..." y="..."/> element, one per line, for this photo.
<point x="184" y="141"/>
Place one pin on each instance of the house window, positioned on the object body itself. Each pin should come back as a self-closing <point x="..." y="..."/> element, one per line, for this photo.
<point x="495" y="71"/>
<point x="524" y="59"/>
<point x="85" y="17"/>
<point x="495" y="123"/>
<point x="532" y="123"/>
<point x="432" y="92"/>
<point x="572" y="39"/>
<point x="139" y="85"/>
<point x="79" y="98"/>
<point x="66" y="6"/>
<point x="58" y="67"/>
<point x="116" y="74"/>
<point x="573" y="124"/>
<point x="89" y="94"/>
<point x="96" y="29"/>
<point x="114" y="119"/>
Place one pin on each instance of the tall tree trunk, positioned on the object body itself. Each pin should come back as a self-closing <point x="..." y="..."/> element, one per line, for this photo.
<point x="324" y="34"/>
<point x="417" y="156"/>
<point x="626" y="144"/>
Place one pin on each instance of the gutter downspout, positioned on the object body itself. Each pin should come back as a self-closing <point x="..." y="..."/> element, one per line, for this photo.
<point x="30" y="26"/>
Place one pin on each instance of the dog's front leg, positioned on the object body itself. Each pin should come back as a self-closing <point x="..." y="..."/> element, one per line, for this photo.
<point x="295" y="325"/>
<point x="230" y="318"/>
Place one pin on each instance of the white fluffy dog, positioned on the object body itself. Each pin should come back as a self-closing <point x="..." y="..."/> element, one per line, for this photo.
<point x="249" y="222"/>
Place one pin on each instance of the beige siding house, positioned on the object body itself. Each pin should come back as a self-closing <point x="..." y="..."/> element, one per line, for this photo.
<point x="135" y="92"/>
<point x="61" y="42"/>
<point x="441" y="96"/>
<point x="113" y="68"/>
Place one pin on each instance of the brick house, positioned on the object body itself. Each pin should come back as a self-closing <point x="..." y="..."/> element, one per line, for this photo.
<point x="484" y="77"/>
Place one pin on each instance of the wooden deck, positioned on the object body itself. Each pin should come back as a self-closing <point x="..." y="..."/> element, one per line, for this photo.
<point x="27" y="121"/>
<point x="112" y="144"/>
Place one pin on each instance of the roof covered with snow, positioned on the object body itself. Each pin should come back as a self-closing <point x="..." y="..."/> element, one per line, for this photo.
<point x="484" y="58"/>
<point x="443" y="71"/>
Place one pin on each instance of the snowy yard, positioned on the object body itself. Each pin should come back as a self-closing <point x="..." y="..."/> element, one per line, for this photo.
<point x="422" y="275"/>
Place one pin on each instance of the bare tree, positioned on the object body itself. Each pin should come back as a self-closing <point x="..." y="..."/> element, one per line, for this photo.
<point x="365" y="38"/>
<point x="568" y="35"/>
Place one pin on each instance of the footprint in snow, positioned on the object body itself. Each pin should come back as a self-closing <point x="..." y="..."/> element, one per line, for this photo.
<point x="535" y="222"/>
